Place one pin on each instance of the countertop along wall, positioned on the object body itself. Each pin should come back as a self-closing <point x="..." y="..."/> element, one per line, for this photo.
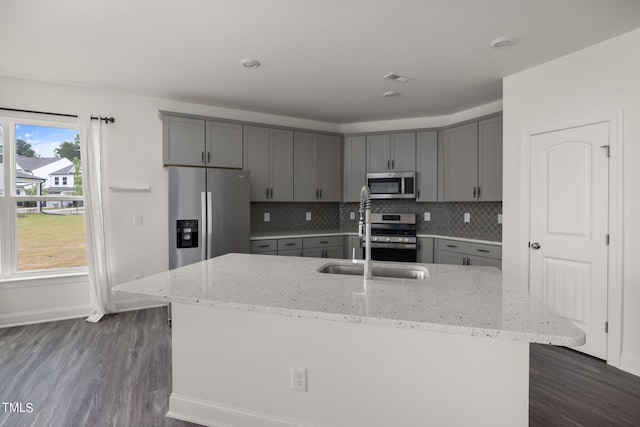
<point x="601" y="78"/>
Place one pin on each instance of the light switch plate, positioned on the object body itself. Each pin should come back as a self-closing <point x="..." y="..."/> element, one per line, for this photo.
<point x="267" y="217"/>
<point x="467" y="217"/>
<point x="137" y="219"/>
<point x="499" y="218"/>
<point x="427" y="216"/>
<point x="308" y="216"/>
<point x="352" y="215"/>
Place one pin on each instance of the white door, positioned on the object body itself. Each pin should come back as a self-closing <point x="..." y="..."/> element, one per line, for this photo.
<point x="569" y="226"/>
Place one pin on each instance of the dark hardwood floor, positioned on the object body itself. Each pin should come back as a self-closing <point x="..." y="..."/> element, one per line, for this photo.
<point x="117" y="373"/>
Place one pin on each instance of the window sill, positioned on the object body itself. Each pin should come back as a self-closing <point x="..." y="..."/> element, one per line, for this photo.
<point x="44" y="279"/>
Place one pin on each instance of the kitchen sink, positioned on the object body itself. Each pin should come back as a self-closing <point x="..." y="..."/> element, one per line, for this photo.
<point x="376" y="271"/>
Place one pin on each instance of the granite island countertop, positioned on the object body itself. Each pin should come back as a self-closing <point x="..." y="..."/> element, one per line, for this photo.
<point x="461" y="300"/>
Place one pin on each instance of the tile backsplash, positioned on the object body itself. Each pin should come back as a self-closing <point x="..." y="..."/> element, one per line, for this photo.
<point x="447" y="218"/>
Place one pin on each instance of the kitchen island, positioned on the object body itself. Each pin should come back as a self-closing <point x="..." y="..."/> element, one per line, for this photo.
<point x="448" y="349"/>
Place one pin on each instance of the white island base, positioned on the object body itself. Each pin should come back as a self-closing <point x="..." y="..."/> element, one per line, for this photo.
<point x="234" y="368"/>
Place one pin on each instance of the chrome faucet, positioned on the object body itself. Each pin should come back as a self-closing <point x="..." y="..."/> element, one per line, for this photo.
<point x="364" y="227"/>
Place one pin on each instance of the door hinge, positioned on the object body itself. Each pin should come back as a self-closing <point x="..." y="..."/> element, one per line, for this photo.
<point x="608" y="148"/>
<point x="606" y="327"/>
<point x="607" y="240"/>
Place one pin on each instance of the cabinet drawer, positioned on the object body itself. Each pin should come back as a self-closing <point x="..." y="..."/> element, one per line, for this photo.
<point x="258" y="246"/>
<point x="286" y="244"/>
<point x="470" y="248"/>
<point x="322" y="242"/>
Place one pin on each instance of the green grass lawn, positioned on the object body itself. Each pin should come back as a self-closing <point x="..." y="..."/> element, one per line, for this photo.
<point x="50" y="241"/>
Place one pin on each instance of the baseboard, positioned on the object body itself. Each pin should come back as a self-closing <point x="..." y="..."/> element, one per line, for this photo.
<point x="137" y="304"/>
<point x="630" y="363"/>
<point x="218" y="415"/>
<point x="41" y="316"/>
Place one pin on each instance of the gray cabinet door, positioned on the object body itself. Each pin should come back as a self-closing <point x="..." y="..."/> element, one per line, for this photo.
<point x="305" y="166"/>
<point x="334" y="252"/>
<point x="403" y="152"/>
<point x="223" y="145"/>
<point x="490" y="159"/>
<point x="484" y="261"/>
<point x="257" y="160"/>
<point x="378" y="153"/>
<point x="427" y="166"/>
<point x="281" y="165"/>
<point x="355" y="167"/>
<point x="459" y="163"/>
<point x="425" y="250"/>
<point x="313" y="252"/>
<point x="330" y="163"/>
<point x="353" y="248"/>
<point x="183" y="141"/>
<point x="446" y="257"/>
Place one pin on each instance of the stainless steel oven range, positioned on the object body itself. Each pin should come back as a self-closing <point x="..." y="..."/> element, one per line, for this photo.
<point x="393" y="237"/>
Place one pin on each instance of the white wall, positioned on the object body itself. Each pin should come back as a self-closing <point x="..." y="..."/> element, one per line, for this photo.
<point x="604" y="77"/>
<point x="133" y="157"/>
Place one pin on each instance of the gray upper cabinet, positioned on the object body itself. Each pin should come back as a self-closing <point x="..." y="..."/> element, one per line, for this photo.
<point x="223" y="145"/>
<point x="470" y="166"/>
<point x="459" y="163"/>
<point x="355" y="167"/>
<point x="183" y="141"/>
<point x="268" y="154"/>
<point x="196" y="142"/>
<point x="317" y="163"/>
<point x="393" y="152"/>
<point x="427" y="166"/>
<point x="490" y="159"/>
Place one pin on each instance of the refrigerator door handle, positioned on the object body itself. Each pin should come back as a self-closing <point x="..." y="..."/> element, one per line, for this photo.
<point x="209" y="225"/>
<point x="203" y="215"/>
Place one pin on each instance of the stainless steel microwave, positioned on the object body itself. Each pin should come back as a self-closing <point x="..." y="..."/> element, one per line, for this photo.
<point x="392" y="185"/>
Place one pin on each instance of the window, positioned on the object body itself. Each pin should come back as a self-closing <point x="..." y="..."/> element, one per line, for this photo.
<point x="41" y="227"/>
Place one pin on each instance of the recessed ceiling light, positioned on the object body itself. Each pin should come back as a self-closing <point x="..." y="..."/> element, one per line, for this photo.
<point x="503" y="42"/>
<point x="390" y="94"/>
<point x="398" y="78"/>
<point x="250" y="63"/>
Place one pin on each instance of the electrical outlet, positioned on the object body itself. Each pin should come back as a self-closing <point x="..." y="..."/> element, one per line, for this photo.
<point x="267" y="217"/>
<point x="352" y="215"/>
<point x="499" y="218"/>
<point x="467" y="217"/>
<point x="427" y="216"/>
<point x="299" y="379"/>
<point x="137" y="219"/>
<point x="308" y="216"/>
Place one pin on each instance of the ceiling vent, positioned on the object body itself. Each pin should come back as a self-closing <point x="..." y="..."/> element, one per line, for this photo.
<point x="398" y="78"/>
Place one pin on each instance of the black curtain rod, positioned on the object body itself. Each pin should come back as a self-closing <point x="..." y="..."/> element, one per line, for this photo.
<point x="105" y="119"/>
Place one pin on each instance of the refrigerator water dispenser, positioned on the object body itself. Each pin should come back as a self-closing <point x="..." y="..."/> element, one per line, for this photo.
<point x="187" y="233"/>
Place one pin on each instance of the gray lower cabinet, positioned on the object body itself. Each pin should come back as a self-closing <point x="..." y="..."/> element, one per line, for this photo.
<point x="355" y="167"/>
<point x="470" y="162"/>
<point x="353" y="247"/>
<point x="427" y="166"/>
<point x="264" y="247"/>
<point x="317" y="163"/>
<point x="268" y="154"/>
<point x="323" y="247"/>
<point x="391" y="152"/>
<point x="425" y="250"/>
<point x="467" y="253"/>
<point x="290" y="247"/>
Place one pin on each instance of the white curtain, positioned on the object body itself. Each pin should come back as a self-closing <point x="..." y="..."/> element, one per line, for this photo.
<point x="94" y="217"/>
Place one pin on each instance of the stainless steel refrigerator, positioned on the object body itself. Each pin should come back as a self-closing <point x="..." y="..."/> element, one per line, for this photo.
<point x="208" y="213"/>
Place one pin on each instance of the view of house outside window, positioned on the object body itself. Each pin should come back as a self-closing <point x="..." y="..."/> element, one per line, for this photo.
<point x="46" y="201"/>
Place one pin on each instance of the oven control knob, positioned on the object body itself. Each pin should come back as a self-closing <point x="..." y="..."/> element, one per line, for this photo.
<point x="388" y="239"/>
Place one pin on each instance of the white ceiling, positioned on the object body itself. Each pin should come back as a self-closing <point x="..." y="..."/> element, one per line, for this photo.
<point x="321" y="59"/>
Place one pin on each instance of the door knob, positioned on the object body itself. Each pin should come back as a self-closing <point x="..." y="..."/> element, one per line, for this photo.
<point x="535" y="245"/>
